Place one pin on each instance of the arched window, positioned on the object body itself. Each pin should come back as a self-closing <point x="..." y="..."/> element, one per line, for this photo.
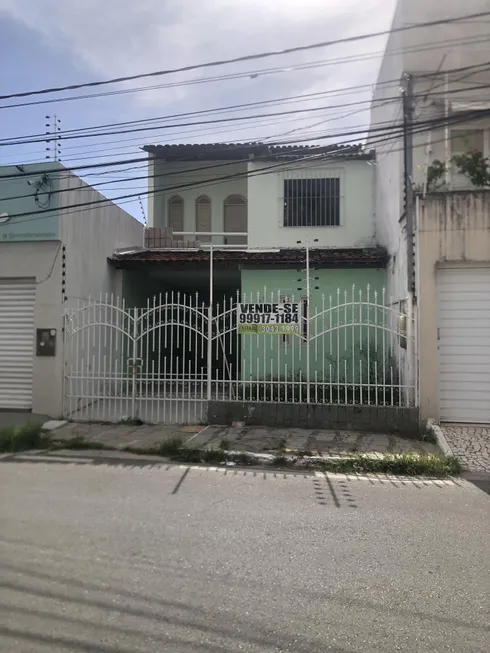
<point x="235" y="218"/>
<point x="176" y="213"/>
<point x="203" y="217"/>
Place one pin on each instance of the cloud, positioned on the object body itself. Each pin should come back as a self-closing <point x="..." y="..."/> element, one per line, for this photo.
<point x="123" y="37"/>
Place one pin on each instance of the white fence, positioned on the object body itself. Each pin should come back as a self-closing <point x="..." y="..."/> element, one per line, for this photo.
<point x="165" y="362"/>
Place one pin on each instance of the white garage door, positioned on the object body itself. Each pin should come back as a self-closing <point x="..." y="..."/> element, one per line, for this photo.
<point x="464" y="344"/>
<point x="16" y="344"/>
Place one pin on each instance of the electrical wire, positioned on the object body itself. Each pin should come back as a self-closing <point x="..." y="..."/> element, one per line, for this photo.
<point x="416" y="128"/>
<point x="250" y="57"/>
<point x="262" y="72"/>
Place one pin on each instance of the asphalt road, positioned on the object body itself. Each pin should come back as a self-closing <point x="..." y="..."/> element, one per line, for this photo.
<point x="132" y="559"/>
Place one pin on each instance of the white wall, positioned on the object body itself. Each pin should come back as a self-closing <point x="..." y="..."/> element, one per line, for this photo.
<point x="41" y="261"/>
<point x="208" y="177"/>
<point x="266" y="206"/>
<point x="89" y="237"/>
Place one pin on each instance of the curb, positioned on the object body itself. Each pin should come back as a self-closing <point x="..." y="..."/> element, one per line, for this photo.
<point x="442" y="443"/>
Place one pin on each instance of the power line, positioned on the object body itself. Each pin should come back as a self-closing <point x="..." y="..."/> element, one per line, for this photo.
<point x="416" y="128"/>
<point x="200" y="122"/>
<point x="249" y="57"/>
<point x="260" y="72"/>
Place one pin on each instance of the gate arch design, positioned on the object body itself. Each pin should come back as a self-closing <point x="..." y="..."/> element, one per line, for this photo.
<point x="166" y="361"/>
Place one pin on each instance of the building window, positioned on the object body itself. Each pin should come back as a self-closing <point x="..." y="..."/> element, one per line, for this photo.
<point x="466" y="140"/>
<point x="235" y="219"/>
<point x="312" y="202"/>
<point x="203" y="217"/>
<point x="176" y="213"/>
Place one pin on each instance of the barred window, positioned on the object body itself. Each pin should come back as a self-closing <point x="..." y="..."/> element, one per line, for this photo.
<point x="312" y="202"/>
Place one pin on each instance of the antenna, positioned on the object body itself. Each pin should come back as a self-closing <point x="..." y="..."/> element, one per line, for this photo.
<point x="53" y="150"/>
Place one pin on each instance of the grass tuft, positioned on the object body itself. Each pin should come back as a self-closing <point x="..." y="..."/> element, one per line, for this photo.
<point x="406" y="464"/>
<point x="23" y="438"/>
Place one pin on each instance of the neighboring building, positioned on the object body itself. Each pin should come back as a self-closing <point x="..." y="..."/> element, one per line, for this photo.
<point x="453" y="285"/>
<point x="444" y="73"/>
<point x="447" y="63"/>
<point x="52" y="256"/>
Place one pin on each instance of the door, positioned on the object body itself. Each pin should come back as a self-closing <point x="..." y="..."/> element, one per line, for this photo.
<point x="17" y="299"/>
<point x="235" y="219"/>
<point x="464" y="344"/>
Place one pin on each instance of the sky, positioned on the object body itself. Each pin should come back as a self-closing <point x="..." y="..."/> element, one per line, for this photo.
<point x="55" y="43"/>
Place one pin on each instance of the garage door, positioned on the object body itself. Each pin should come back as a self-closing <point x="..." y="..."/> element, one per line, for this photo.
<point x="16" y="344"/>
<point x="464" y="344"/>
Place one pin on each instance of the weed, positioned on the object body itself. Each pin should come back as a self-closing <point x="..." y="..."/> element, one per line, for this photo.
<point x="77" y="444"/>
<point x="22" y="438"/>
<point x="281" y="445"/>
<point x="224" y="445"/>
<point x="280" y="461"/>
<point x="396" y="464"/>
<point x="171" y="448"/>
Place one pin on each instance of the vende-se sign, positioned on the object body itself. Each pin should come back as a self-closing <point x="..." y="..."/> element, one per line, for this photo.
<point x="270" y="318"/>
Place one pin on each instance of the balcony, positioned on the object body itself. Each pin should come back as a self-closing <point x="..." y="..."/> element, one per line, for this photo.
<point x="167" y="238"/>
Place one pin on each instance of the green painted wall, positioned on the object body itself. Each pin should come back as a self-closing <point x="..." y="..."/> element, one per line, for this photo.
<point x="345" y="344"/>
<point x="17" y="197"/>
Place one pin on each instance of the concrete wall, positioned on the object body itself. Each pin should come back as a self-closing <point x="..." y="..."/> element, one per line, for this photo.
<point x="41" y="261"/>
<point x="452" y="228"/>
<point x="208" y="176"/>
<point x="266" y="206"/>
<point x="89" y="236"/>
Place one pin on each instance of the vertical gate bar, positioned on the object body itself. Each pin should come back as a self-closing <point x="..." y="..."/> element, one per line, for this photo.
<point x="209" y="358"/>
<point x="368" y="343"/>
<point x="384" y="347"/>
<point x="323" y="348"/>
<point x="146" y="332"/>
<point x="171" y="361"/>
<point x="308" y="325"/>
<point x="134" y="367"/>
<point x="197" y="320"/>
<point x="376" y="336"/>
<point x="399" y="350"/>
<point x="338" y="342"/>
<point x="162" y="398"/>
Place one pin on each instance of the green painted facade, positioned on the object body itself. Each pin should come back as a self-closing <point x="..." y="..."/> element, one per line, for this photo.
<point x="39" y="199"/>
<point x="344" y="327"/>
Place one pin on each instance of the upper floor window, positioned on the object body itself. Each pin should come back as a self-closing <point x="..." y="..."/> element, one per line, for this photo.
<point x="176" y="213"/>
<point x="203" y="217"/>
<point x="466" y="140"/>
<point x="312" y="202"/>
<point x="235" y="219"/>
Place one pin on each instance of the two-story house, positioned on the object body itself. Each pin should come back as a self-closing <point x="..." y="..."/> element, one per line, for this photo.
<point x="263" y="281"/>
<point x="432" y="93"/>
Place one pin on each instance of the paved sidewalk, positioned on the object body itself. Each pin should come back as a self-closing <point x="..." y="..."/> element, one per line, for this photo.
<point x="470" y="444"/>
<point x="251" y="439"/>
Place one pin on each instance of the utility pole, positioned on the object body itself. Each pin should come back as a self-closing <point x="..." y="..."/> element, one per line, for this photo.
<point x="408" y="176"/>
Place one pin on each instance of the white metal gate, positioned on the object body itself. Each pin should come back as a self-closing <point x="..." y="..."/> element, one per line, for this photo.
<point x="165" y="362"/>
